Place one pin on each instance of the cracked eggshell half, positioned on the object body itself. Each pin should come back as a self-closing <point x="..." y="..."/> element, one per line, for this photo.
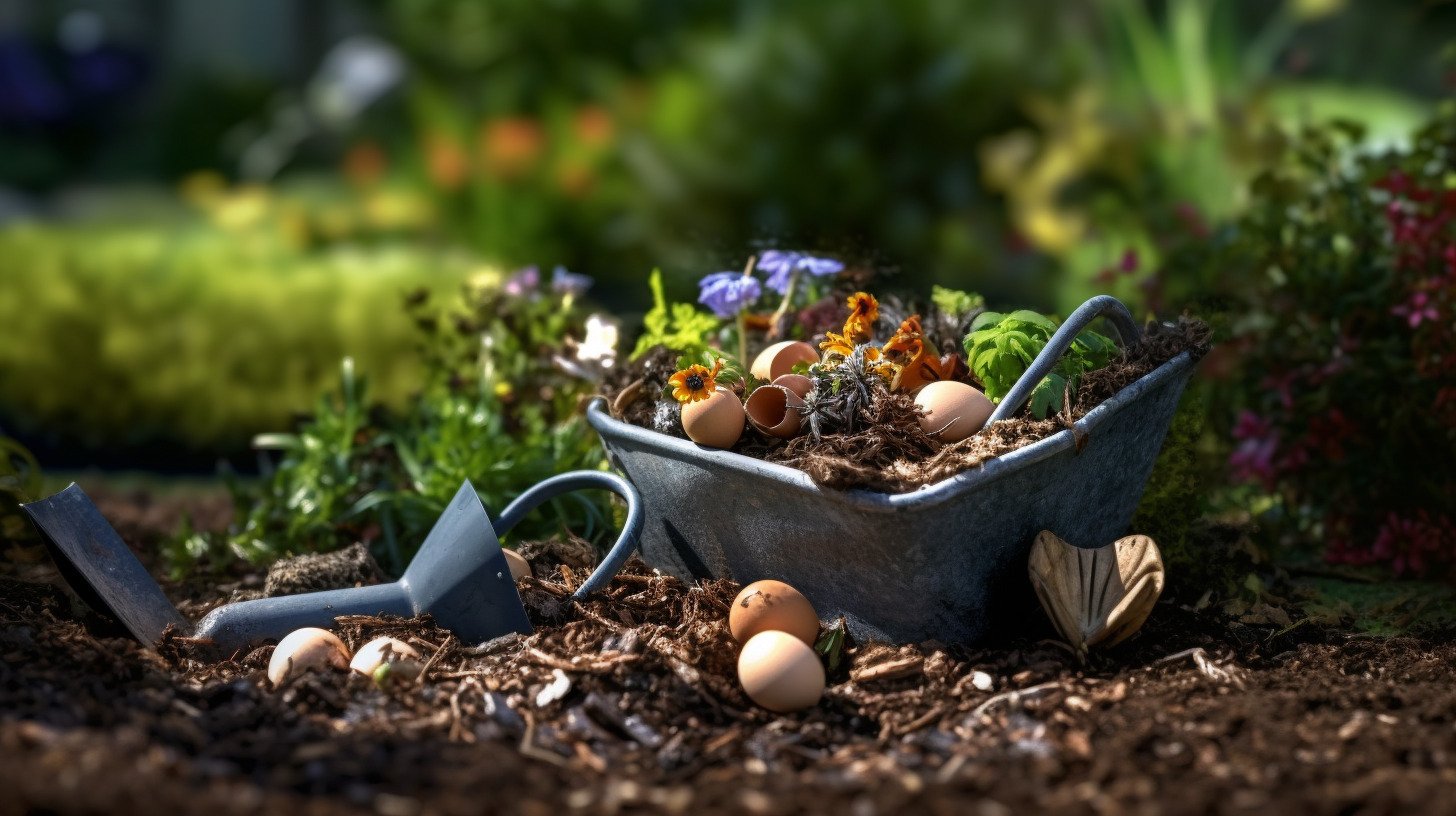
<point x="716" y="422"/>
<point x="307" y="649"/>
<point x="775" y="410"/>
<point x="379" y="651"/>
<point x="780" y="358"/>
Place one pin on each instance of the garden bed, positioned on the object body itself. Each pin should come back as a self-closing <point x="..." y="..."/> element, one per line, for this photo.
<point x="1198" y="713"/>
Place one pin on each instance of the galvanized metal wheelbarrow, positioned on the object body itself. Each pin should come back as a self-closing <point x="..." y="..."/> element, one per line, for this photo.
<point x="945" y="562"/>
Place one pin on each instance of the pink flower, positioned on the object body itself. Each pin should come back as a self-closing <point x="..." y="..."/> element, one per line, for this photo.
<point x="1253" y="458"/>
<point x="1417" y="309"/>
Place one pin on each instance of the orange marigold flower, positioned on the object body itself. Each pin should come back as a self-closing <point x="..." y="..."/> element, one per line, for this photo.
<point x="864" y="310"/>
<point x="926" y="369"/>
<point x="836" y="346"/>
<point x="695" y="382"/>
<point x="907" y="344"/>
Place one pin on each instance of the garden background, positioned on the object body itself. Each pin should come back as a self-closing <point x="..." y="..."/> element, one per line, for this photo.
<point x="279" y="246"/>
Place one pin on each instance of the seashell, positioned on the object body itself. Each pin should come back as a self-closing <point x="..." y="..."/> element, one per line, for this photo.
<point x="1096" y="597"/>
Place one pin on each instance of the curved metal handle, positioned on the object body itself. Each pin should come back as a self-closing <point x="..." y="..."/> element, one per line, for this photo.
<point x="583" y="480"/>
<point x="1100" y="306"/>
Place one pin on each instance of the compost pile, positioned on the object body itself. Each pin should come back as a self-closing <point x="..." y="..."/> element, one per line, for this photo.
<point x="891" y="452"/>
<point x="628" y="703"/>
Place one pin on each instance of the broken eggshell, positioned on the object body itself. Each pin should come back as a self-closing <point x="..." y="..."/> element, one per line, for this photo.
<point x="716" y="421"/>
<point x="797" y="383"/>
<point x="775" y="410"/>
<point x="780" y="672"/>
<point x="1096" y="596"/>
<point x="383" y="650"/>
<point x="307" y="649"/>
<point x="780" y="358"/>
<point x="953" y="410"/>
<point x="772" y="605"/>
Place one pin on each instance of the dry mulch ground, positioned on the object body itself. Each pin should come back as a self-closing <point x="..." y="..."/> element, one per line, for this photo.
<point x="629" y="704"/>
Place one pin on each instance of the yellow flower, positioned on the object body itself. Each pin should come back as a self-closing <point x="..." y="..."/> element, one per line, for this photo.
<point x="864" y="310"/>
<point x="836" y="346"/>
<point x="695" y="382"/>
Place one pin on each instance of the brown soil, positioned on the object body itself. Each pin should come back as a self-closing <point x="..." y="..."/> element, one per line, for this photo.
<point x="1196" y="714"/>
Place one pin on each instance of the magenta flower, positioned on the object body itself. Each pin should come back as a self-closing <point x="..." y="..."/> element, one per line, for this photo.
<point x="1419" y="308"/>
<point x="1258" y="443"/>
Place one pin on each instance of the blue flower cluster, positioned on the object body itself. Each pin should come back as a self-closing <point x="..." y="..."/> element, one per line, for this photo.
<point x="728" y="293"/>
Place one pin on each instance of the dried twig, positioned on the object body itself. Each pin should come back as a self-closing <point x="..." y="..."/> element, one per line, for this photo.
<point x="1231" y="675"/>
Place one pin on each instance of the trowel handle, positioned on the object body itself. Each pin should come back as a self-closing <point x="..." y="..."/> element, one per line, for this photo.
<point x="1101" y="306"/>
<point x="583" y="480"/>
<point x="239" y="625"/>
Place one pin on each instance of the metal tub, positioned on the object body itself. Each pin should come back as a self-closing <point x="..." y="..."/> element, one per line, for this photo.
<point x="945" y="562"/>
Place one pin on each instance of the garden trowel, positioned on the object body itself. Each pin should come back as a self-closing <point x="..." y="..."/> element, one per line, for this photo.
<point x="459" y="576"/>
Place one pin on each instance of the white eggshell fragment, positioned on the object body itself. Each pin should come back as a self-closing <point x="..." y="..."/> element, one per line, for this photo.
<point x="308" y="649"/>
<point x="520" y="567"/>
<point x="379" y="651"/>
<point x="953" y="410"/>
<point x="716" y="422"/>
<point x="780" y="672"/>
<point x="780" y="358"/>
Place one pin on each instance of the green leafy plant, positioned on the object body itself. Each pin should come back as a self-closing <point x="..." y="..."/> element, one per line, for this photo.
<point x="20" y="481"/>
<point x="954" y="303"/>
<point x="496" y="411"/>
<point x="1001" y="347"/>
<point x="678" y="326"/>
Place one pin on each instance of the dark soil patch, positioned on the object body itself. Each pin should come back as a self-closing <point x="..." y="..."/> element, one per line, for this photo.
<point x="1196" y="714"/>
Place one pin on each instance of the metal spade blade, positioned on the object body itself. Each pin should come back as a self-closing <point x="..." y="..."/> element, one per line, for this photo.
<point x="459" y="575"/>
<point x="100" y="567"/>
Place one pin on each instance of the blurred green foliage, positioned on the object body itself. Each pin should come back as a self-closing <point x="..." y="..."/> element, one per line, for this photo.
<point x="497" y="409"/>
<point x="20" y="481"/>
<point x="194" y="334"/>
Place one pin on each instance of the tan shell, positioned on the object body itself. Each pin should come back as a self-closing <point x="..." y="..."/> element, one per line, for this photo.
<point x="797" y="383"/>
<point x="775" y="410"/>
<point x="1096" y="597"/>
<point x="716" y="422"/>
<point x="520" y="567"/>
<point x="780" y="358"/>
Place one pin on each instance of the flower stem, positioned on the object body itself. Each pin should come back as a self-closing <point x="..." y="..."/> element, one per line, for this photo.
<point x="789" y="292"/>
<point x="743" y="317"/>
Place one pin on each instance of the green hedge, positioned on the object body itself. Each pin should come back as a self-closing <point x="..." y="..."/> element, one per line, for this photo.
<point x="118" y="336"/>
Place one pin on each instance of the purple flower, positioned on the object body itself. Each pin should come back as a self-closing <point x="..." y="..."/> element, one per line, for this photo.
<point x="523" y="282"/>
<point x="728" y="293"/>
<point x="569" y="283"/>
<point x="781" y="266"/>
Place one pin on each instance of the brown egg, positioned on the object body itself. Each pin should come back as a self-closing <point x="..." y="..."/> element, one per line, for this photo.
<point x="382" y="650"/>
<point x="797" y="383"/>
<point x="780" y="672"/>
<point x="772" y="605"/>
<point x="775" y="410"/>
<point x="780" y="359"/>
<point x="716" y="421"/>
<point x="520" y="567"/>
<point x="953" y="410"/>
<point x="308" y="649"/>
